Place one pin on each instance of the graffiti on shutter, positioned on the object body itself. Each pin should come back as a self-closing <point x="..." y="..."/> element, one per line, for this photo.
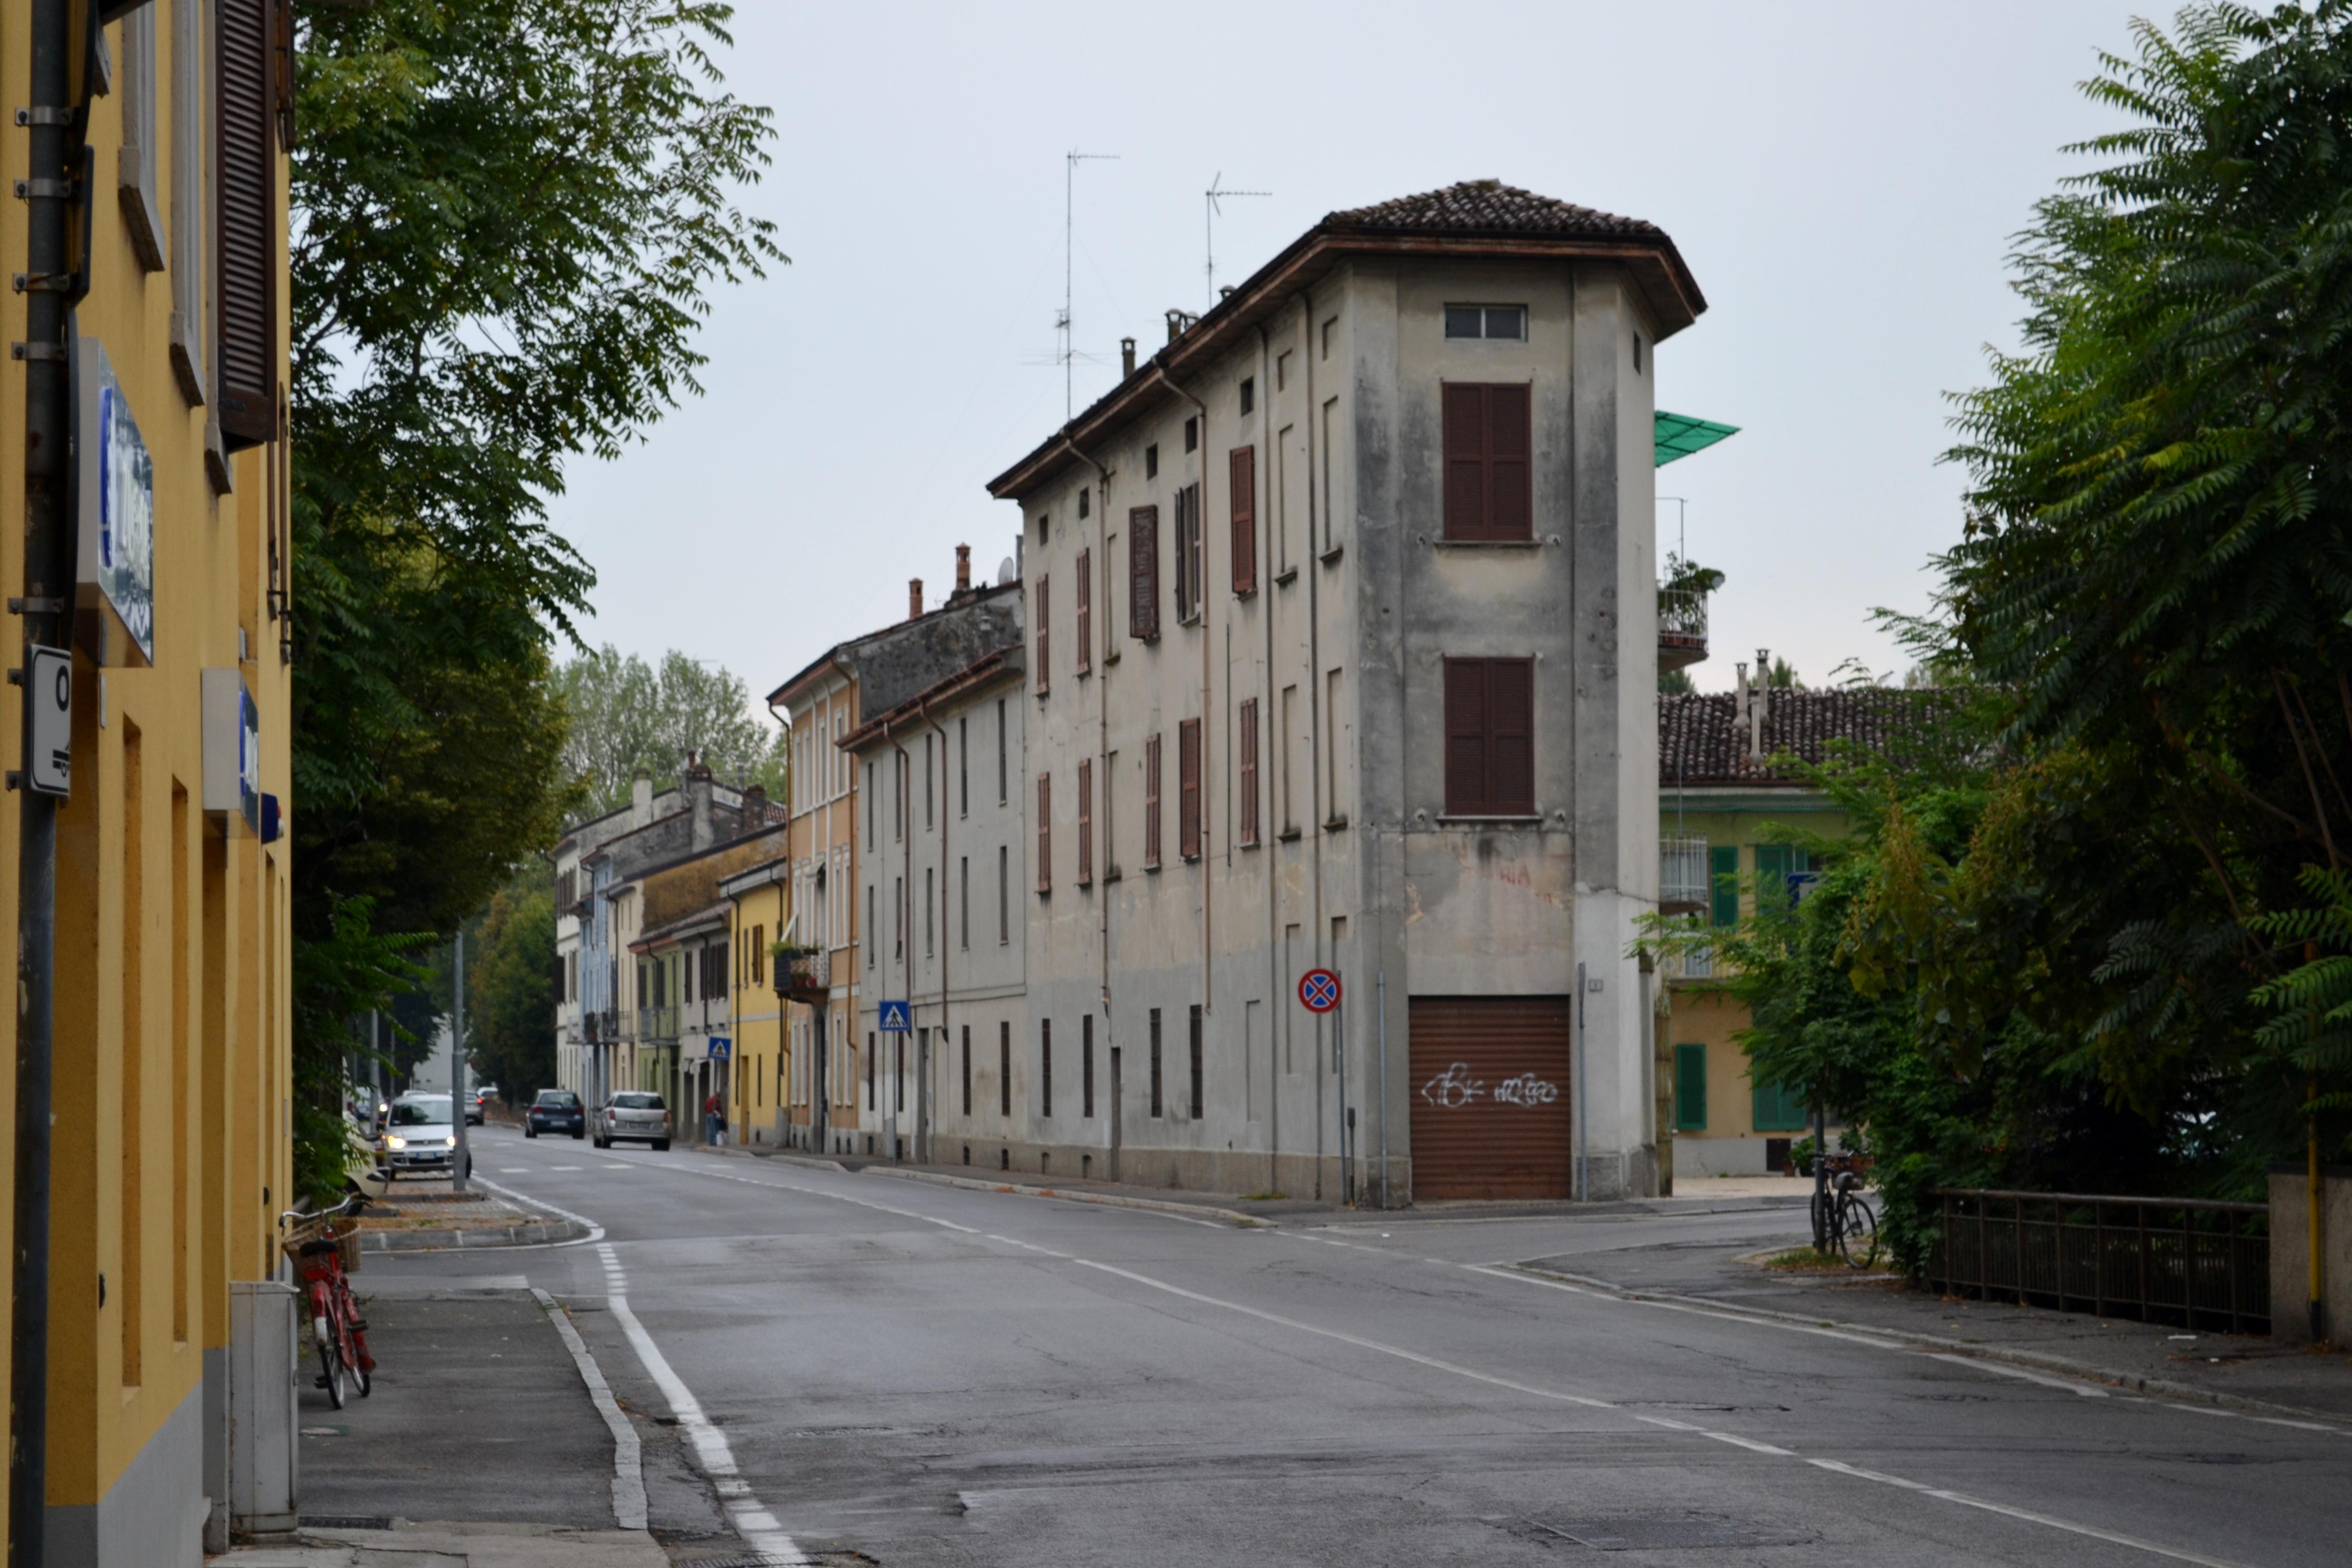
<point x="1489" y="1084"/>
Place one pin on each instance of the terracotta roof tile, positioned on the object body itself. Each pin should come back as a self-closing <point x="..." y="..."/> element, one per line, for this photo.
<point x="1701" y="740"/>
<point x="1492" y="207"/>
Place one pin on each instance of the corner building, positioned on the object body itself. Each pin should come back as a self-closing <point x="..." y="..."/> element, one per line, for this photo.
<point x="1343" y="653"/>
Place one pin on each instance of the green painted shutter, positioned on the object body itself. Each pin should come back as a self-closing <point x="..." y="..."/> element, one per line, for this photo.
<point x="1780" y="1108"/>
<point x="1776" y="863"/>
<point x="1690" y="1088"/>
<point x="1723" y="877"/>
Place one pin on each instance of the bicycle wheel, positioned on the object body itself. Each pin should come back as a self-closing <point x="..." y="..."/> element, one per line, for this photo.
<point x="330" y="1371"/>
<point x="1858" y="1233"/>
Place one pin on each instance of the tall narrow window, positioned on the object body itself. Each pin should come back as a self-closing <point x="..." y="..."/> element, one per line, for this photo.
<point x="1151" y="803"/>
<point x="1284" y="445"/>
<point x="1488" y="468"/>
<point x="190" y="245"/>
<point x="132" y="1276"/>
<point x="899" y="799"/>
<point x="1004" y="778"/>
<point x="1334" y="753"/>
<point x="758" y="950"/>
<point x="1004" y="1070"/>
<point x="927" y="949"/>
<point x="873" y="798"/>
<point x="1188" y="789"/>
<point x="1330" y="497"/>
<point x="967" y="1068"/>
<point x="185" y="1050"/>
<point x="1248" y="737"/>
<point x="1086" y="821"/>
<point x="1188" y="552"/>
<point x="1284" y="785"/>
<point x="1045" y="1068"/>
<point x="928" y="818"/>
<point x="1086" y="1065"/>
<point x="135" y="178"/>
<point x="963" y="765"/>
<point x="873" y="931"/>
<point x="1241" y="469"/>
<point x="1003" y="895"/>
<point x="1490" y="737"/>
<point x="1157" y="1106"/>
<point x="245" y="201"/>
<point x="898" y="917"/>
<point x="1045" y="833"/>
<point x="1194" y="1046"/>
<point x="1086" y="650"/>
<point x="963" y="902"/>
<point x="872" y="1056"/>
<point x="1042" y="678"/>
<point x="1143" y="572"/>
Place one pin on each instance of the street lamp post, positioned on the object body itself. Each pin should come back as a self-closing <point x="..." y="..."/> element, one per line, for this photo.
<point x="457" y="1164"/>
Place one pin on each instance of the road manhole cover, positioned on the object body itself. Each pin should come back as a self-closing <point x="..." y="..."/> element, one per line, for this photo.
<point x="1653" y="1534"/>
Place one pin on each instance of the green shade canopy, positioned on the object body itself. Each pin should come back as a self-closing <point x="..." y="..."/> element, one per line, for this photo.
<point x="1679" y="435"/>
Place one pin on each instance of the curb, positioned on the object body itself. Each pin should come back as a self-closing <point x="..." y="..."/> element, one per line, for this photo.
<point x="533" y="1235"/>
<point x="1150" y="1205"/>
<point x="812" y="1162"/>
<point x="2036" y="1360"/>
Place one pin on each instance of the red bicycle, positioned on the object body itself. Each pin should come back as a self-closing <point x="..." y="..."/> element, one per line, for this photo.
<point x="324" y="1255"/>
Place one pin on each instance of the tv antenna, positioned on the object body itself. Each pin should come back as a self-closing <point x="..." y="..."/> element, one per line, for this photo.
<point x="1069" y="347"/>
<point x="1209" y="227"/>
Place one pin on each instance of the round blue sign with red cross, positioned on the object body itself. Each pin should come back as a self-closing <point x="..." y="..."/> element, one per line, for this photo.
<point x="1318" y="990"/>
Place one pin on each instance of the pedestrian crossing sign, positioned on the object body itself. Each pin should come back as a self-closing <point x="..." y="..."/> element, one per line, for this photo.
<point x="897" y="1018"/>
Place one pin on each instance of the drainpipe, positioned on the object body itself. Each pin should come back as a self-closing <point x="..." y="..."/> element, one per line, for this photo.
<point x="1203" y="794"/>
<point x="57" y="155"/>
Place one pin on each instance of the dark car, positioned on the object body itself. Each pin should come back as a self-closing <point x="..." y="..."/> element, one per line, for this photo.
<point x="555" y="1110"/>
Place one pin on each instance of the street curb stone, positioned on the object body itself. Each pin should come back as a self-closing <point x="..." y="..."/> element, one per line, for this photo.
<point x="1150" y="1205"/>
<point x="533" y="1235"/>
<point x="2036" y="1360"/>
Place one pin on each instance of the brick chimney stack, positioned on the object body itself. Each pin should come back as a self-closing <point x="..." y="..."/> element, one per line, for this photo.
<point x="914" y="597"/>
<point x="963" y="569"/>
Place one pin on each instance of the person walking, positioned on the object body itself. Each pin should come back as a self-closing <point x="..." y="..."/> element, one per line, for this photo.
<point x="714" y="1119"/>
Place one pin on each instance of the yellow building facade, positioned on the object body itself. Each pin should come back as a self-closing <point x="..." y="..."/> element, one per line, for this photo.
<point x="172" y="1081"/>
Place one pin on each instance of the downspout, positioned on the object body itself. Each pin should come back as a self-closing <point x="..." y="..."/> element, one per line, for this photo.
<point x="1315" y="810"/>
<point x="1201" y="523"/>
<point x="57" y="154"/>
<point x="1276" y="1018"/>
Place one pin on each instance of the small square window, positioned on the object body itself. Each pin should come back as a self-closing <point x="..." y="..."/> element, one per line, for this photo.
<point x="1507" y="321"/>
<point x="1464" y="321"/>
<point x="1151" y="461"/>
<point x="1249" y="395"/>
<point x="1193" y="434"/>
<point x="1082" y="503"/>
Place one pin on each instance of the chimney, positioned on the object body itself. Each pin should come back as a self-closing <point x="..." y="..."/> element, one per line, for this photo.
<point x="1763" y="698"/>
<point x="1126" y="357"/>
<point x="963" y="569"/>
<point x="700" y="827"/>
<point x="914" y="597"/>
<point x="755" y="807"/>
<point x="641" y="799"/>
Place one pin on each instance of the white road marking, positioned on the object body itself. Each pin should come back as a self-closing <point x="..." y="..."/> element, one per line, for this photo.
<point x="596" y="1231"/>
<point x="514" y="1170"/>
<point x="629" y="1458"/>
<point x="564" y="1167"/>
<point x="752" y="1521"/>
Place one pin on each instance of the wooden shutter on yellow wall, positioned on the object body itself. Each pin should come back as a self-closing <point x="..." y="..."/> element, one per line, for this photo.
<point x="246" y="123"/>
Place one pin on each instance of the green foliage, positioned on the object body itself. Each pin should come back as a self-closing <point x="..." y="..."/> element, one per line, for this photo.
<point x="625" y="714"/>
<point x="348" y="969"/>
<point x="506" y="218"/>
<point x="1675" y="683"/>
<point x="510" y="989"/>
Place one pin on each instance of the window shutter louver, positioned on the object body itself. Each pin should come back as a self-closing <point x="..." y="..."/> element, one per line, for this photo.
<point x="1086" y="821"/>
<point x="1466" y="738"/>
<point x="1464" y="419"/>
<point x="1510" y="747"/>
<point x="245" y="134"/>
<point x="1188" y="789"/>
<point x="1143" y="572"/>
<point x="1690" y="1088"/>
<point x="1086" y="660"/>
<point x="1045" y="833"/>
<point x="1151" y="801"/>
<point x="1045" y="608"/>
<point x="1489" y="453"/>
<point x="1241" y="469"/>
<point x="1249" y="771"/>
<point x="1723" y="884"/>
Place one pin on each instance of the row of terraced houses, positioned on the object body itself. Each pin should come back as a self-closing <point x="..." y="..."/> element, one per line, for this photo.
<point x="1331" y="642"/>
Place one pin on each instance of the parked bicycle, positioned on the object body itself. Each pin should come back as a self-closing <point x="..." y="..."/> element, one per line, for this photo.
<point x="324" y="1254"/>
<point x="1843" y="1221"/>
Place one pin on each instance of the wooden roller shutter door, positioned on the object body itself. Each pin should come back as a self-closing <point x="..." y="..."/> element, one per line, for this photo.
<point x="1491" y="1116"/>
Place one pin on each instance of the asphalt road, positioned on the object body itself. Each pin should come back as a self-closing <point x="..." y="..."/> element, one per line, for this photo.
<point x="934" y="1375"/>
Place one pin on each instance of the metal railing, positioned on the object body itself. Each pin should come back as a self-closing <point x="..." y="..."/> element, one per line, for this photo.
<point x="2198" y="1264"/>
<point x="657" y="1023"/>
<point x="802" y="974"/>
<point x="1681" y="624"/>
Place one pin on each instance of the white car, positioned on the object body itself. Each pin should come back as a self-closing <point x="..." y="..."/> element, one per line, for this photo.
<point x="418" y="1136"/>
<point x="634" y="1115"/>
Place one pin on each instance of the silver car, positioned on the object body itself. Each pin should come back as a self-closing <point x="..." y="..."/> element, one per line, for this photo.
<point x="417" y="1136"/>
<point x="634" y="1115"/>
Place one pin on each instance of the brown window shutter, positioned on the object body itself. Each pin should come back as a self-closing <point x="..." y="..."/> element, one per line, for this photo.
<point x="1044" y="611"/>
<point x="1085" y="611"/>
<point x="1045" y="833"/>
<point x="1188" y="789"/>
<point x="1510" y="735"/>
<point x="1466" y="791"/>
<point x="1510" y="500"/>
<point x="1249" y="771"/>
<point x="1086" y="821"/>
<point x="1464" y="419"/>
<point x="245" y="269"/>
<point x="1143" y="572"/>
<point x="1151" y="801"/>
<point x="1243" y="475"/>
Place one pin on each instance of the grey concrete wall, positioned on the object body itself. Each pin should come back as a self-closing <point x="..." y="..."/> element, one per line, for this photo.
<point x="2291" y="1253"/>
<point x="156" y="1514"/>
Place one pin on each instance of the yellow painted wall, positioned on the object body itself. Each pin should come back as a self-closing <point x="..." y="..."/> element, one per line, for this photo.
<point x="763" y="1047"/>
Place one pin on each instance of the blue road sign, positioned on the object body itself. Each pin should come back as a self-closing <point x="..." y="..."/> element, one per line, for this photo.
<point x="1318" y="990"/>
<point x="897" y="1018"/>
<point x="720" y="1047"/>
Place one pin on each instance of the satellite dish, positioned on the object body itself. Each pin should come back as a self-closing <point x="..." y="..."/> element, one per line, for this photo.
<point x="1004" y="573"/>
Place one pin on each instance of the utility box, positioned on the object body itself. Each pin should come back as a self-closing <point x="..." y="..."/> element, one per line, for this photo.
<point x="264" y="1342"/>
<point x="2291" y="1252"/>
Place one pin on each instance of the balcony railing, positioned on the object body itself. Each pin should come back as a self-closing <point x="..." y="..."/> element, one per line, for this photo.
<point x="802" y="974"/>
<point x="1682" y="628"/>
<point x="658" y="1025"/>
<point x="600" y="1029"/>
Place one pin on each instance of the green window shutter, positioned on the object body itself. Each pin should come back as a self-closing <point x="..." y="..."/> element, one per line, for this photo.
<point x="1690" y="1088"/>
<point x="1723" y="878"/>
<point x="1776" y="863"/>
<point x="1780" y="1108"/>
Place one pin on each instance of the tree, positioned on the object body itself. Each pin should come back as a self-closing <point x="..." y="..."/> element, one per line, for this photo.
<point x="506" y="218"/>
<point x="510" y="989"/>
<point x="625" y="715"/>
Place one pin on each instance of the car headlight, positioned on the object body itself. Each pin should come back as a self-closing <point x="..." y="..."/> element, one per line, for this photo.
<point x="451" y="1140"/>
<point x="392" y="1142"/>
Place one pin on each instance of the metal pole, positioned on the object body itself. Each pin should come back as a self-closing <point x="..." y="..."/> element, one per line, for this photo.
<point x="457" y="1167"/>
<point x="55" y="157"/>
<point x="1340" y="1062"/>
<point x="1820" y="1177"/>
<point x="1582" y="1174"/>
<point x="2316" y="1195"/>
<point x="1381" y="1002"/>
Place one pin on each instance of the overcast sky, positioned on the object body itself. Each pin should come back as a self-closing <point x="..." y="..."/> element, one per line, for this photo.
<point x="1844" y="181"/>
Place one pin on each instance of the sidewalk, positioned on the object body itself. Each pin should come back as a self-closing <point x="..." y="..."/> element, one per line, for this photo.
<point x="2246" y="1369"/>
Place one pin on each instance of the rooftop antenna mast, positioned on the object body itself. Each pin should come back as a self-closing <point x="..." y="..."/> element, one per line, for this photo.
<point x="1069" y="354"/>
<point x="1209" y="225"/>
